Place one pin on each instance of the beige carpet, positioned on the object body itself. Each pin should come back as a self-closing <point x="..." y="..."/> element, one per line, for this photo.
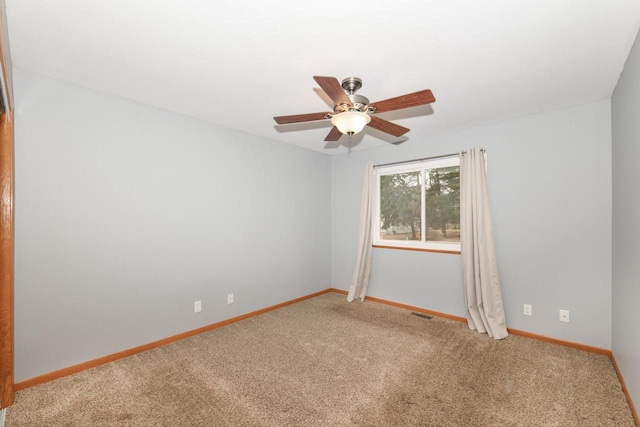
<point x="325" y="362"/>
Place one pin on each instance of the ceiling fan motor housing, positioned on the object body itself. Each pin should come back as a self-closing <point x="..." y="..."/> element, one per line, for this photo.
<point x="358" y="102"/>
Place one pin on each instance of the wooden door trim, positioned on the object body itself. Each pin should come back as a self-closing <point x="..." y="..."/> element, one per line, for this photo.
<point x="6" y="219"/>
<point x="6" y="260"/>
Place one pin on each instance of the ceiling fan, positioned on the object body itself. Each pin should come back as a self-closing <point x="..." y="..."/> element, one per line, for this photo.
<point x="351" y="112"/>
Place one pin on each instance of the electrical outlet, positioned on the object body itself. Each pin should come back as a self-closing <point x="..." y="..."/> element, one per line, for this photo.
<point x="230" y="299"/>
<point x="528" y="310"/>
<point x="197" y="306"/>
<point x="564" y="316"/>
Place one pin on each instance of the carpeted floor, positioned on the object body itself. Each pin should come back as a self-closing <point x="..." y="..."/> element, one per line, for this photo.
<point x="325" y="362"/>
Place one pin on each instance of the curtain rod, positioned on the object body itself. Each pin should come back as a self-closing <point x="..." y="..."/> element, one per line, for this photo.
<point x="421" y="160"/>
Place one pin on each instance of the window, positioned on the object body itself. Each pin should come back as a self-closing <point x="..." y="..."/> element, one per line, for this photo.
<point x="417" y="205"/>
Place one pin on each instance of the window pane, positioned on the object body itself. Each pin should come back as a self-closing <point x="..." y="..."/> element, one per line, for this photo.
<point x="442" y="197"/>
<point x="400" y="206"/>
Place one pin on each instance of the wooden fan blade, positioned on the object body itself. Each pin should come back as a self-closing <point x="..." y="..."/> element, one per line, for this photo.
<point x="332" y="87"/>
<point x="284" y="120"/>
<point x="334" y="135"/>
<point x="387" y="127"/>
<point x="405" y="101"/>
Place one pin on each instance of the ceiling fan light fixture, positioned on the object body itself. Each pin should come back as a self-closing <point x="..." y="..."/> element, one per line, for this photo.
<point x="350" y="122"/>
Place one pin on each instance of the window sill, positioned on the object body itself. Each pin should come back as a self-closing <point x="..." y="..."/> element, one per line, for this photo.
<point x="439" y="251"/>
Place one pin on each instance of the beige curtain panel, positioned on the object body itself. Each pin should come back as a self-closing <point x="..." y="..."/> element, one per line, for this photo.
<point x="360" y="281"/>
<point x="483" y="295"/>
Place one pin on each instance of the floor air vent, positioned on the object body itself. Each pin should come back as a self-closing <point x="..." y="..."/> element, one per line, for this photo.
<point x="426" y="316"/>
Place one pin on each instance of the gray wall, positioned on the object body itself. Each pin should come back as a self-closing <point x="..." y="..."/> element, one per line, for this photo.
<point x="550" y="189"/>
<point x="625" y="107"/>
<point x="126" y="214"/>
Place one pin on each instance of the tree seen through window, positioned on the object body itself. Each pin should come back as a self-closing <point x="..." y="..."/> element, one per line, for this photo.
<point x="403" y="215"/>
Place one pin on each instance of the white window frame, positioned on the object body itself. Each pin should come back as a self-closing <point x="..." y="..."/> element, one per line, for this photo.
<point x="418" y="166"/>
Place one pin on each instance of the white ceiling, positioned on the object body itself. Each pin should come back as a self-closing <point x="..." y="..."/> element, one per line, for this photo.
<point x="239" y="63"/>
